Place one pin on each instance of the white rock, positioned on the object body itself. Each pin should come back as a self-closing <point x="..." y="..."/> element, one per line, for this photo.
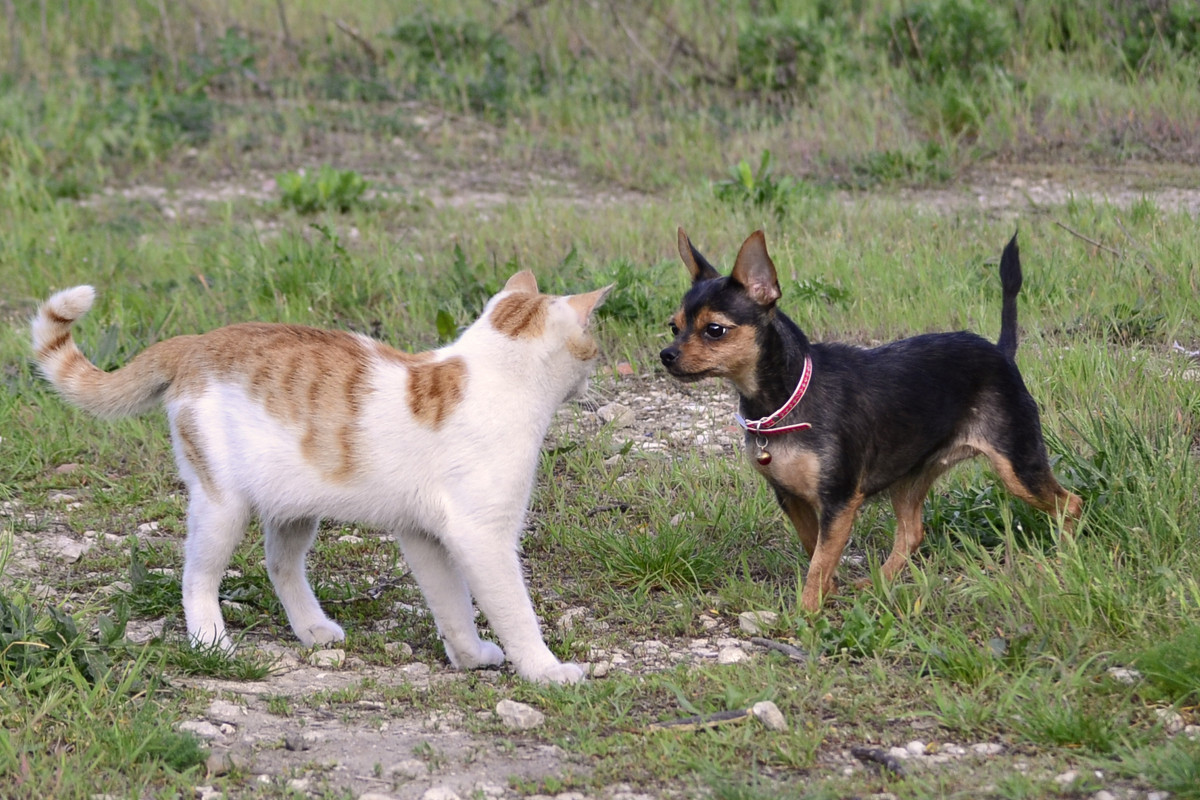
<point x="987" y="748"/>
<point x="147" y="527"/>
<point x="410" y="768"/>
<point x="1158" y="796"/>
<point x="402" y="649"/>
<point x="518" y="716"/>
<point x="299" y="784"/>
<point x="1171" y="720"/>
<point x="1067" y="778"/>
<point x="1122" y="675"/>
<point x="769" y="715"/>
<point x="208" y="793"/>
<point x="440" y="793"/>
<point x="225" y="711"/>
<point x="650" y="647"/>
<point x="64" y="548"/>
<point x="618" y="415"/>
<point x="601" y="668"/>
<point x="201" y="727"/>
<point x="350" y="539"/>
<point x="570" y="617"/>
<point x="899" y="752"/>
<point x="489" y="789"/>
<point x="333" y="657"/>
<point x="1103" y="795"/>
<point x="755" y="622"/>
<point x="731" y="655"/>
<point x="139" y="632"/>
<point x="1192" y="732"/>
<point x="915" y="747"/>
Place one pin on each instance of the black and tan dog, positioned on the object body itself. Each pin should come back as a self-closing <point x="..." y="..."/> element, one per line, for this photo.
<point x="830" y="424"/>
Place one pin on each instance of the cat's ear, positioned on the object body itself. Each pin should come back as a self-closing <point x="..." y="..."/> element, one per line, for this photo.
<point x="584" y="304"/>
<point x="523" y="281"/>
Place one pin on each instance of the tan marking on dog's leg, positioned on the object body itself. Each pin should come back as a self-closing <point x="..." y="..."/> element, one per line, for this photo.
<point x="831" y="541"/>
<point x="1051" y="497"/>
<point x="804" y="520"/>
<point x="908" y="498"/>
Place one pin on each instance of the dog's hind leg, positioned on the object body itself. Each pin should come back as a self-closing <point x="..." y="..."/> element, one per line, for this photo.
<point x="1027" y="474"/>
<point x="836" y="522"/>
<point x="908" y="498"/>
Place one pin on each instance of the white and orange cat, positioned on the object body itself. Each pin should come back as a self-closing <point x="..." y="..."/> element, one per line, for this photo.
<point x="295" y="424"/>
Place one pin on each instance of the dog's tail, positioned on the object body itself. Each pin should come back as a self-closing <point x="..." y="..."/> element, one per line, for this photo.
<point x="134" y="388"/>
<point x="1010" y="285"/>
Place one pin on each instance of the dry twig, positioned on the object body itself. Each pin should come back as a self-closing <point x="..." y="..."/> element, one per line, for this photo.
<point x="874" y="755"/>
<point x="361" y="40"/>
<point x="1090" y="241"/>
<point x="794" y="653"/>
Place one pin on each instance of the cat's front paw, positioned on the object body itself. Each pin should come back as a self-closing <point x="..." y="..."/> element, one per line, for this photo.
<point x="558" y="673"/>
<point x="482" y="654"/>
<point x="322" y="632"/>
<point x="210" y="637"/>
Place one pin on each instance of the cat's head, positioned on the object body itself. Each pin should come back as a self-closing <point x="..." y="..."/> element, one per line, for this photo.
<point x="552" y="332"/>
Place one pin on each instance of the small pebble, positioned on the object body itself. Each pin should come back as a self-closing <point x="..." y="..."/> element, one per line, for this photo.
<point x="519" y="716"/>
<point x="328" y="658"/>
<point x="755" y="622"/>
<point x="769" y="715"/>
<point x="731" y="655"/>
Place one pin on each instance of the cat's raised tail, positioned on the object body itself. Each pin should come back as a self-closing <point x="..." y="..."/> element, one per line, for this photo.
<point x="132" y="389"/>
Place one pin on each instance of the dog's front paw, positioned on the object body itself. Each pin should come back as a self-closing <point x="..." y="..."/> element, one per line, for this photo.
<point x="815" y="594"/>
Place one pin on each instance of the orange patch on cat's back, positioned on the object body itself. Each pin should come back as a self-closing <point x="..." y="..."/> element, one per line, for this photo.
<point x="520" y="315"/>
<point x="435" y="389"/>
<point x="310" y="379"/>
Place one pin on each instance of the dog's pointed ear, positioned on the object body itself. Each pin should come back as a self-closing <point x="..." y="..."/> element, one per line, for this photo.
<point x="755" y="271"/>
<point x="697" y="265"/>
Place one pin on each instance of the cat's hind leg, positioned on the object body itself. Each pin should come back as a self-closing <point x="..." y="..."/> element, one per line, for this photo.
<point x="214" y="530"/>
<point x="286" y="545"/>
<point x="449" y="600"/>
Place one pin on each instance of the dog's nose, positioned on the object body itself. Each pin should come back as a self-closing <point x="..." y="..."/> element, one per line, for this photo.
<point x="669" y="354"/>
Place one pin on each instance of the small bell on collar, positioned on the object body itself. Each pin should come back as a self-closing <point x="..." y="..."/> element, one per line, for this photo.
<point x="763" y="456"/>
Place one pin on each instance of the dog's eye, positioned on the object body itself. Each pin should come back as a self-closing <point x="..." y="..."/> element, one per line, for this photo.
<point x="715" y="331"/>
<point x="674" y="328"/>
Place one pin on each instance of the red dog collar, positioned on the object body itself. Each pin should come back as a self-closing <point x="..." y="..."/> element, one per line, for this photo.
<point x="766" y="425"/>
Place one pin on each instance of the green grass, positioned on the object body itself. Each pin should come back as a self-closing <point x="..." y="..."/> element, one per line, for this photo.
<point x="590" y="131"/>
